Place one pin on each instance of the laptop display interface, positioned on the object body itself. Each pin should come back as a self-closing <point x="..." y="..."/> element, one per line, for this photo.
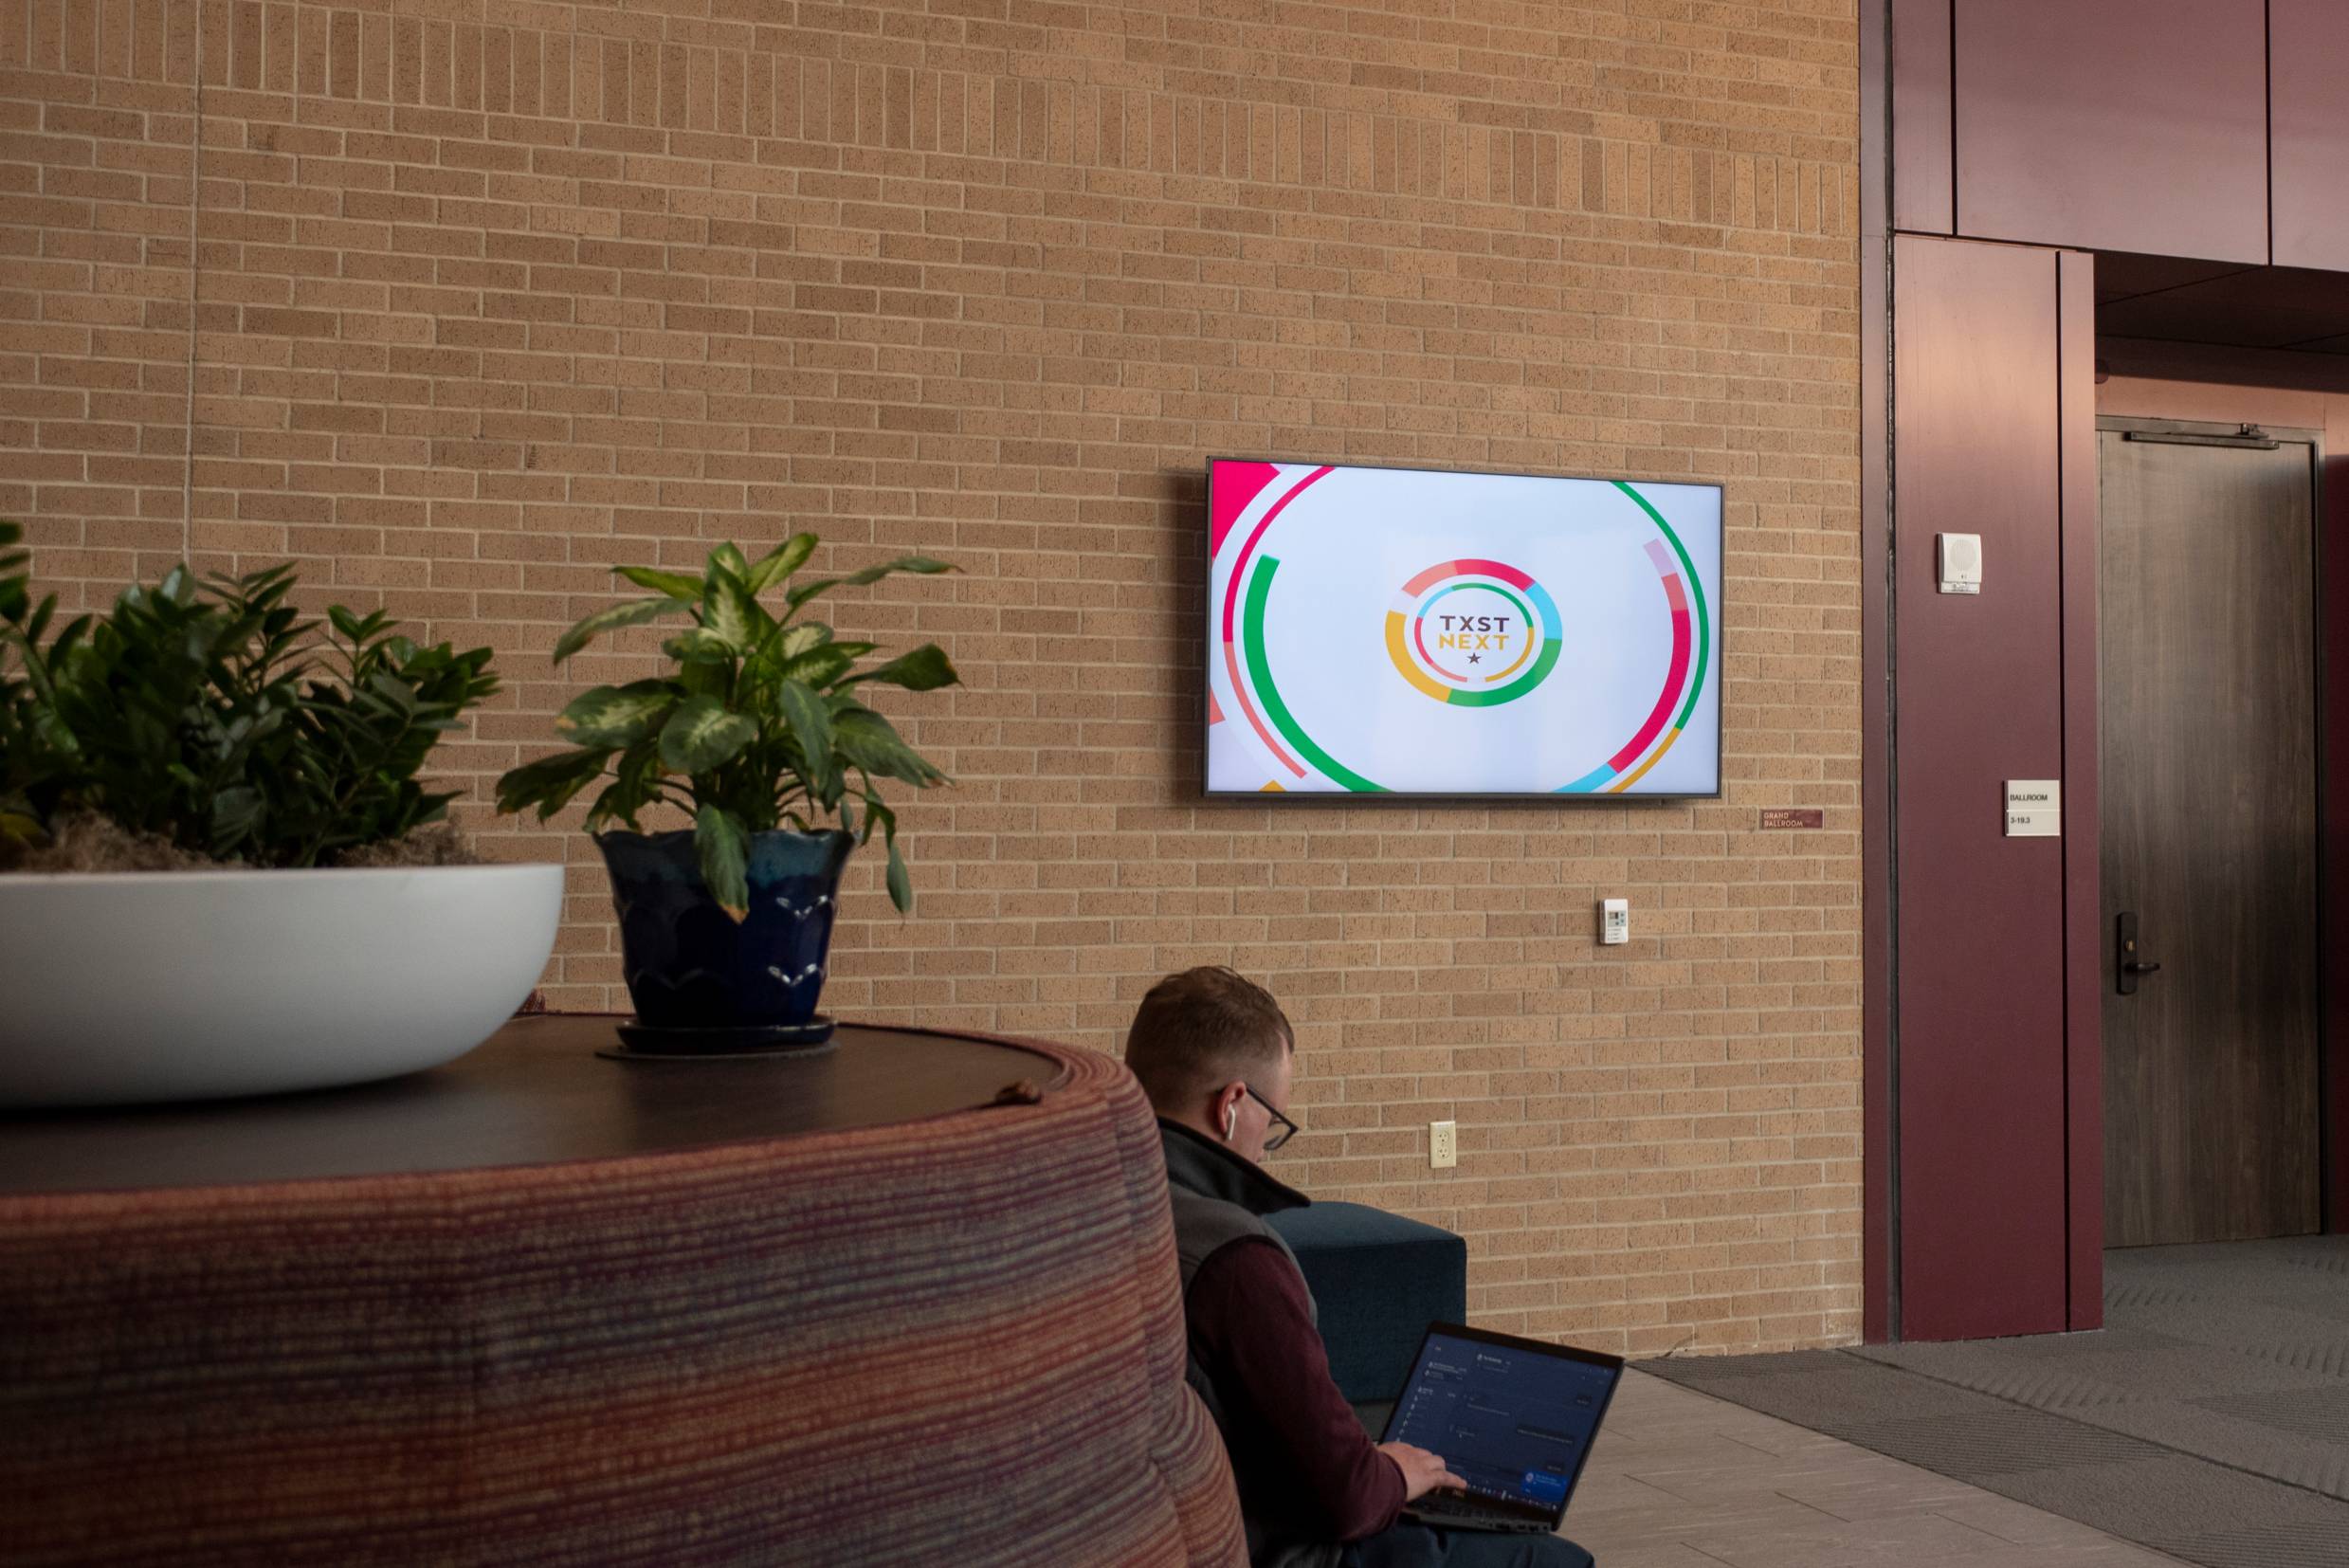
<point x="1514" y="1421"/>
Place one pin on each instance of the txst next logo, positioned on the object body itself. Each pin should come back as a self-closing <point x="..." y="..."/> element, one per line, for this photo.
<point x="1472" y="633"/>
<point x="1475" y="635"/>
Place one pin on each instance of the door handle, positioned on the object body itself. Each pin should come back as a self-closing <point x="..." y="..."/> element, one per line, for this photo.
<point x="2131" y="964"/>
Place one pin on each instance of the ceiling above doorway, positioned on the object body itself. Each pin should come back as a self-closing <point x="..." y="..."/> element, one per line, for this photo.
<point x="2166" y="299"/>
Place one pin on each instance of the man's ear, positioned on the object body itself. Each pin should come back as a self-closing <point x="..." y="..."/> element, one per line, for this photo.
<point x="1224" y="1109"/>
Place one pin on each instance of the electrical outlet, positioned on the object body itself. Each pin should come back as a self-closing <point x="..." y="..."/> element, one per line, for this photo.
<point x="1443" y="1144"/>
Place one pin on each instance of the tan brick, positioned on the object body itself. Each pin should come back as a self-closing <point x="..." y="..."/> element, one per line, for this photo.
<point x="486" y="301"/>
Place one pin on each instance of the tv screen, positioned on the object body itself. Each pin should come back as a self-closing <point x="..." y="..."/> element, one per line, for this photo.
<point x="1406" y="633"/>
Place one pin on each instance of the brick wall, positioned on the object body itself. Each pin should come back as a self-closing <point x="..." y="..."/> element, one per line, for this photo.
<point x="479" y="297"/>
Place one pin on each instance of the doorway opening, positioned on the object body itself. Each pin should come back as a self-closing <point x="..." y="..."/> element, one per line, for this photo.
<point x="2209" y="752"/>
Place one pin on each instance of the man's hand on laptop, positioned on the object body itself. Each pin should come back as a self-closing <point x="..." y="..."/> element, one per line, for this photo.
<point x="1422" y="1472"/>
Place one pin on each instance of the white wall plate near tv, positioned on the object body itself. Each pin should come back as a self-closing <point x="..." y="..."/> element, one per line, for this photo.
<point x="1400" y="632"/>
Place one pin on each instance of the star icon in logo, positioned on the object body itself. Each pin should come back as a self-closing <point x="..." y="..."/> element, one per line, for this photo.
<point x="1476" y="658"/>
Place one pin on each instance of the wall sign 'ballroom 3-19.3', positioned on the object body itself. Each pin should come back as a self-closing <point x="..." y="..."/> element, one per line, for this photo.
<point x="1402" y="631"/>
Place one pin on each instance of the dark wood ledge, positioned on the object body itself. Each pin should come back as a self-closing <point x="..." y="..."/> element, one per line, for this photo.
<point x="535" y="1093"/>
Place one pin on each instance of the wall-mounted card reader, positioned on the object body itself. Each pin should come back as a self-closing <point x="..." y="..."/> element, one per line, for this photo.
<point x="1614" y="922"/>
<point x="1960" y="563"/>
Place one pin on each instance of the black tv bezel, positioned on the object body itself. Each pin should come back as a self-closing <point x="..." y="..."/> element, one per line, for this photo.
<point x="1721" y="649"/>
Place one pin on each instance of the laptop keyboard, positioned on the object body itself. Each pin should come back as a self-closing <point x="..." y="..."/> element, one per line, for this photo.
<point x="1445" y="1508"/>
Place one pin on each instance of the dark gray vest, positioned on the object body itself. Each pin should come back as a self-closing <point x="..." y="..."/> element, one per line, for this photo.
<point x="1218" y="1198"/>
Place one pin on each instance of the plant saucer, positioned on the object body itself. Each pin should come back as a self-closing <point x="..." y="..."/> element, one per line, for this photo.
<point x="648" y="1042"/>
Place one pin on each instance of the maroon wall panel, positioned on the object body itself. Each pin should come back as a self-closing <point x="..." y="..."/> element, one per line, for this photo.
<point x="1925" y="179"/>
<point x="2333" y="825"/>
<point x="1877" y="1235"/>
<point x="2083" y="943"/>
<point x="2114" y="124"/>
<point x="1979" y="700"/>
<point x="2308" y="55"/>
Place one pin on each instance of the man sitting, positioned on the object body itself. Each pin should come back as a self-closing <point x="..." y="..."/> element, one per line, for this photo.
<point x="1215" y="1053"/>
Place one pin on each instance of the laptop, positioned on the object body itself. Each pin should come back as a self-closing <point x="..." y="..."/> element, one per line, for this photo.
<point x="1514" y="1418"/>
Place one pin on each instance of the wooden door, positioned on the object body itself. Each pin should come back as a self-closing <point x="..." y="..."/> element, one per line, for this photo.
<point x="2208" y="753"/>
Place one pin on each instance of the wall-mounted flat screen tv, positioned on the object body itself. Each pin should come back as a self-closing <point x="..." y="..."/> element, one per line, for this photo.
<point x="1399" y="631"/>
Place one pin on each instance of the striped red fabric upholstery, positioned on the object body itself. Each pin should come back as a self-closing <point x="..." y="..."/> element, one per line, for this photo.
<point x="956" y="1340"/>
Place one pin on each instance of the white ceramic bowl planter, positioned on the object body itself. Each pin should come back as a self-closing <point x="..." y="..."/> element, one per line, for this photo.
<point x="135" y="987"/>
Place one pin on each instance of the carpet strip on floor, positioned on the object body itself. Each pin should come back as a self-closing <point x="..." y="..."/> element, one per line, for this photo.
<point x="2208" y="1419"/>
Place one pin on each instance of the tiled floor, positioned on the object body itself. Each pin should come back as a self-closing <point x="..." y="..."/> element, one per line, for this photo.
<point x="1680" y="1480"/>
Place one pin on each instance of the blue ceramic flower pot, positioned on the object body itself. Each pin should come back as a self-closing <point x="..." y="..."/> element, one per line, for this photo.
<point x="689" y="965"/>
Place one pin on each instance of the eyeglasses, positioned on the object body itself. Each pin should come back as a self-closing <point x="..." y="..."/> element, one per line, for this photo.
<point x="1282" y="1128"/>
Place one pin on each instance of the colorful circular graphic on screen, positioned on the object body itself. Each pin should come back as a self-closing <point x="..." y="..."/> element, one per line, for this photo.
<point x="1471" y="632"/>
<point x="1475" y="632"/>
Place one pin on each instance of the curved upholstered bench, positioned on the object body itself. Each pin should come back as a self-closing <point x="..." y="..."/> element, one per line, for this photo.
<point x="955" y="1339"/>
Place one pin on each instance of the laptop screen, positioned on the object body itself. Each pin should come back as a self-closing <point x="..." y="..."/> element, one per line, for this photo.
<point x="1512" y="1418"/>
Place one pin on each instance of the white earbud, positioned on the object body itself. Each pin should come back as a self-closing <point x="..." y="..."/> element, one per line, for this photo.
<point x="1231" y="1123"/>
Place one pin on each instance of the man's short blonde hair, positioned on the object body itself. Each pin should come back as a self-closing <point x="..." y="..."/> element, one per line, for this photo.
<point x="1197" y="1031"/>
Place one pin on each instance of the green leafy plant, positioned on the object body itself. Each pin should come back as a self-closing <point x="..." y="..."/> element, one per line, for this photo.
<point x="212" y="714"/>
<point x="24" y="757"/>
<point x="760" y="725"/>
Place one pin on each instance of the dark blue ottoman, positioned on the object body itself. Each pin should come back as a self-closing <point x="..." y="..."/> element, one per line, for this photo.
<point x="1378" y="1281"/>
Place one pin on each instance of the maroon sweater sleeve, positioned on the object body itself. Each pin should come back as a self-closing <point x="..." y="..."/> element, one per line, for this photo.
<point x="1251" y="1326"/>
